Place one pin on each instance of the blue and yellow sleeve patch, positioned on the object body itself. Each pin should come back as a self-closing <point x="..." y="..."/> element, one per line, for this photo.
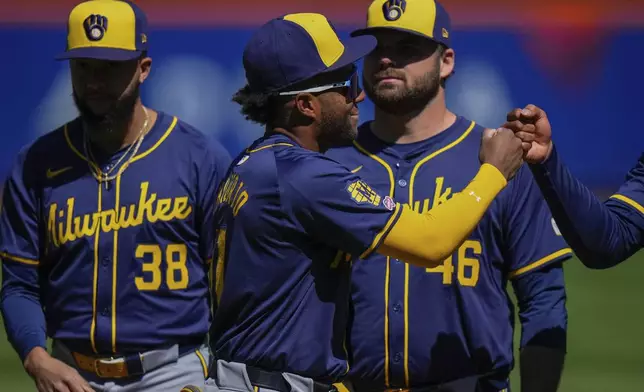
<point x="362" y="193"/>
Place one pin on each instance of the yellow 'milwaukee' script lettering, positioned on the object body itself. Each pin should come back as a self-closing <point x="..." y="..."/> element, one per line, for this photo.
<point x="233" y="193"/>
<point x="440" y="197"/>
<point x="63" y="226"/>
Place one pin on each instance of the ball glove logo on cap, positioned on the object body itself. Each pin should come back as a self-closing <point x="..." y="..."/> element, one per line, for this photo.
<point x="393" y="9"/>
<point x="95" y="27"/>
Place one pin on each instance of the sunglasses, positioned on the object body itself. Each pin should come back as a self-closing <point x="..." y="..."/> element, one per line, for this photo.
<point x="353" y="88"/>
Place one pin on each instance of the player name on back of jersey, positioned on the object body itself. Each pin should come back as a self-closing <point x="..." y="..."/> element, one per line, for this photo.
<point x="233" y="193"/>
<point x="64" y="226"/>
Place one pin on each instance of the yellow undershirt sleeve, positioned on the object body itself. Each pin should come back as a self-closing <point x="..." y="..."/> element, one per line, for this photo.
<point x="427" y="239"/>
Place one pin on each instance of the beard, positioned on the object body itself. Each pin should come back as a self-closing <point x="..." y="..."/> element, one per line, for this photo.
<point x="120" y="112"/>
<point x="403" y="101"/>
<point x="336" y="129"/>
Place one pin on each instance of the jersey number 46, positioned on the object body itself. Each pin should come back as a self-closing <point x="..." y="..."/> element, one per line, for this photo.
<point x="468" y="267"/>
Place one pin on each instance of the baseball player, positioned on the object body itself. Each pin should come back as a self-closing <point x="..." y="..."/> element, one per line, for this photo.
<point x="289" y="215"/>
<point x="106" y="227"/>
<point x="601" y="234"/>
<point x="444" y="328"/>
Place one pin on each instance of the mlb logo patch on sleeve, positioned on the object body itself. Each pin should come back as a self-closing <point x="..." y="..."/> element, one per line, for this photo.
<point x="389" y="203"/>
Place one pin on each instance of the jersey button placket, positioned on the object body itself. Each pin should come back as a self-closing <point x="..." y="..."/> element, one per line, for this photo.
<point x="397" y="284"/>
<point x="103" y="334"/>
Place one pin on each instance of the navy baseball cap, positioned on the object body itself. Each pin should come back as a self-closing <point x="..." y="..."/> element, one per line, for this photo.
<point x="106" y="30"/>
<point x="297" y="47"/>
<point x="426" y="18"/>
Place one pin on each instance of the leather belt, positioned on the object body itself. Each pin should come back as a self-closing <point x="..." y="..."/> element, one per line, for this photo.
<point x="130" y="365"/>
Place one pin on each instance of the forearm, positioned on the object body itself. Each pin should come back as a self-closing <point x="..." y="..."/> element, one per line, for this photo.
<point x="600" y="236"/>
<point x="22" y="312"/>
<point x="24" y="322"/>
<point x="427" y="239"/>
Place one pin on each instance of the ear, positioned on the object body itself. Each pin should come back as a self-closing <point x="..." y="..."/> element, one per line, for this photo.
<point x="447" y="63"/>
<point x="145" y="65"/>
<point x="308" y="105"/>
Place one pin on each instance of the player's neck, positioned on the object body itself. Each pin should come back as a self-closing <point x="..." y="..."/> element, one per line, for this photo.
<point x="126" y="132"/>
<point x="413" y="127"/>
<point x="300" y="136"/>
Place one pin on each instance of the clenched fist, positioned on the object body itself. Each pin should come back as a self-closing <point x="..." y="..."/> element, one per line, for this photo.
<point x="502" y="149"/>
<point x="531" y="125"/>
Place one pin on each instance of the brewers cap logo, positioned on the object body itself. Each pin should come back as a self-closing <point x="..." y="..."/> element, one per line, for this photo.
<point x="95" y="27"/>
<point x="362" y="193"/>
<point x="393" y="9"/>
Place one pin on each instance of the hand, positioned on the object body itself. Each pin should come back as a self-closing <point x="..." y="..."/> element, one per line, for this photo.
<point x="531" y="125"/>
<point x="52" y="375"/>
<point x="500" y="148"/>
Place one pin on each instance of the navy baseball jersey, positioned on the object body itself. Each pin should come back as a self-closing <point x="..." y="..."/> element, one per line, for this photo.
<point x="416" y="327"/>
<point x="602" y="234"/>
<point x="287" y="217"/>
<point x="631" y="196"/>
<point x="122" y="266"/>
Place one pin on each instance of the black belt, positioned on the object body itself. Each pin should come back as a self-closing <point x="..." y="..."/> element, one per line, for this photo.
<point x="275" y="381"/>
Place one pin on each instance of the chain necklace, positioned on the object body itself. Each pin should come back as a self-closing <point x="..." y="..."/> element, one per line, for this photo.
<point x="92" y="162"/>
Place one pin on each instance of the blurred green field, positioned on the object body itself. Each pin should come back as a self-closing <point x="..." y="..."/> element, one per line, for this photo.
<point x="606" y="318"/>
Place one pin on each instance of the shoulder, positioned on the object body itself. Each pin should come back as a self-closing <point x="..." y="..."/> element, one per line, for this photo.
<point x="464" y="133"/>
<point x="51" y="151"/>
<point x="522" y="190"/>
<point x="195" y="142"/>
<point x="53" y="146"/>
<point x="342" y="153"/>
<point x="304" y="172"/>
<point x="185" y="132"/>
<point x="475" y="130"/>
<point x="299" y="162"/>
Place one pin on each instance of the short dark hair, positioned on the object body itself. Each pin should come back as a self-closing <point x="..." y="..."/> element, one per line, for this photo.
<point x="255" y="107"/>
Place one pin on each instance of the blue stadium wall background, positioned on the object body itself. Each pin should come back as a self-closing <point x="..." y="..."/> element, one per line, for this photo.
<point x="580" y="60"/>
